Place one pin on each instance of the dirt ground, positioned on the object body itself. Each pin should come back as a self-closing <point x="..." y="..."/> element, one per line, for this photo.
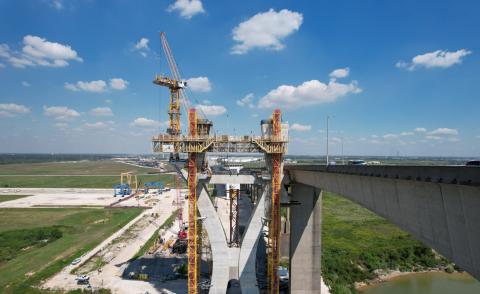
<point x="107" y="264"/>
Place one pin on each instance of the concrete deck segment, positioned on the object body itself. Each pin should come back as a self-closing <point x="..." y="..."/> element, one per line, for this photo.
<point x="232" y="179"/>
<point x="438" y="205"/>
<point x="248" y="249"/>
<point x="218" y="242"/>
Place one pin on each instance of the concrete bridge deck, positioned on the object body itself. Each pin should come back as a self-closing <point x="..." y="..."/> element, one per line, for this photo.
<point x="439" y="206"/>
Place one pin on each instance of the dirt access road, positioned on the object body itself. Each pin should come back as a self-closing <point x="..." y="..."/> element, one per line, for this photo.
<point x="109" y="276"/>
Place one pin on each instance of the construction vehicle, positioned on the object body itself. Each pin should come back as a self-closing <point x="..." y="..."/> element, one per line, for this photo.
<point x="152" y="185"/>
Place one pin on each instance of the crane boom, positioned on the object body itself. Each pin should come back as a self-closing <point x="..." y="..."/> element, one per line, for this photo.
<point x="174" y="69"/>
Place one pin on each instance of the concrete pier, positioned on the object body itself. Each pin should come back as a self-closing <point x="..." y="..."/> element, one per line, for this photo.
<point x="305" y="239"/>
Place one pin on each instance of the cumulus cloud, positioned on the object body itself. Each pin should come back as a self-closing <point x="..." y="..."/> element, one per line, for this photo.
<point x="435" y="59"/>
<point x="444" y="132"/>
<point x="98" y="86"/>
<point x="38" y="51"/>
<point x="390" y="136"/>
<point x="309" y="93"/>
<point x="300" y="128"/>
<point x="420" y="130"/>
<point x="118" y="84"/>
<point x="143" y="122"/>
<point x="57" y="4"/>
<point x="142" y="44"/>
<point x="211" y="110"/>
<point x="101" y="111"/>
<point x="247" y="101"/>
<point x="12" y="110"/>
<point x="265" y="30"/>
<point x="407" y="134"/>
<point x="340" y="73"/>
<point x="99" y="125"/>
<point x="60" y="112"/>
<point x="199" y="84"/>
<point x="187" y="8"/>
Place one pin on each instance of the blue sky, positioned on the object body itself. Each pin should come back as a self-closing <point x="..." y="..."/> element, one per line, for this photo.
<point x="397" y="77"/>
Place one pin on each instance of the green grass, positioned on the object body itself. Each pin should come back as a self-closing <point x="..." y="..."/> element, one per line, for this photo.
<point x="4" y="198"/>
<point x="355" y="242"/>
<point x="98" y="167"/>
<point x="74" y="181"/>
<point x="81" y="230"/>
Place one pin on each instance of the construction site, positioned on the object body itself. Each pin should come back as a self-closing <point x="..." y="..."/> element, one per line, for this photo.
<point x="214" y="226"/>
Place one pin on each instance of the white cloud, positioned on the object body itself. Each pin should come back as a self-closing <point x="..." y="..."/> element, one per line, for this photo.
<point x="101" y="111"/>
<point x="118" y="84"/>
<point x="199" y="84"/>
<point x="145" y="123"/>
<point x="12" y="110"/>
<point x="309" y="93"/>
<point x="300" y="128"/>
<point x="60" y="112"/>
<point x="211" y="110"/>
<point x="420" y="130"/>
<point x="142" y="44"/>
<point x="93" y="86"/>
<point x="407" y="134"/>
<point x="38" y="51"/>
<point x="265" y="30"/>
<point x="340" y="73"/>
<point x="247" y="101"/>
<point x="390" y="136"/>
<point x="99" y="125"/>
<point x="25" y="84"/>
<point x="435" y="59"/>
<point x="444" y="132"/>
<point x="2" y="65"/>
<point x="187" y="8"/>
<point x="436" y="138"/>
<point x="57" y="4"/>
<point x="108" y="101"/>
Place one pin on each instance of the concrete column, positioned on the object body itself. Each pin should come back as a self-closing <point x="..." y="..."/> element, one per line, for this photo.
<point x="305" y="240"/>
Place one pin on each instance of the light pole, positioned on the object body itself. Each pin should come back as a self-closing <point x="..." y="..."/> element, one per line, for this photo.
<point x="343" y="157"/>
<point x="328" y="119"/>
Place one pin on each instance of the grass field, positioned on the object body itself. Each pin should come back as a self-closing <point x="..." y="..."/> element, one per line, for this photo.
<point x="4" y="198"/>
<point x="81" y="174"/>
<point x="99" y="167"/>
<point x="356" y="242"/>
<point x="81" y="230"/>
<point x="74" y="181"/>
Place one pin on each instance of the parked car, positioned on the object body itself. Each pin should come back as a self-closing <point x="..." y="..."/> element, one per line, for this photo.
<point x="83" y="279"/>
<point x="357" y="162"/>
<point x="76" y="261"/>
<point x="473" y="163"/>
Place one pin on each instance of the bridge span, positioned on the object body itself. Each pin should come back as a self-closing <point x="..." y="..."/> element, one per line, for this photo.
<point x="438" y="205"/>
